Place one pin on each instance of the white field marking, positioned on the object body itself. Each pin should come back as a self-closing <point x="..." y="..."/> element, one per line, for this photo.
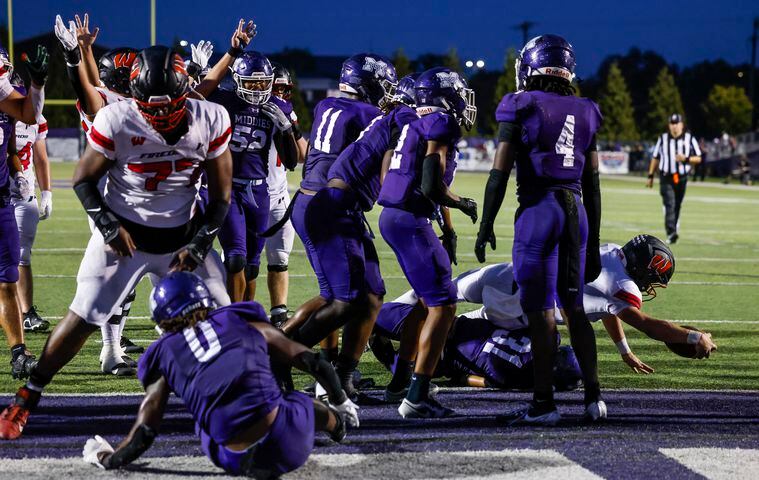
<point x="492" y="465"/>
<point x="642" y="181"/>
<point x="717" y="463"/>
<point x="694" y="198"/>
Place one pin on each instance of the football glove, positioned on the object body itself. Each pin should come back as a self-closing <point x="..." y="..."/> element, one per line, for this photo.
<point x="484" y="236"/>
<point x="46" y="204"/>
<point x="468" y="207"/>
<point x="449" y="240"/>
<point x="25" y="191"/>
<point x="38" y="65"/>
<point x="349" y="411"/>
<point x="93" y="448"/>
<point x="67" y="37"/>
<point x="201" y="53"/>
<point x="277" y="116"/>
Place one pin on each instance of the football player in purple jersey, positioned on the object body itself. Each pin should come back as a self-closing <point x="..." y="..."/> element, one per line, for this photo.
<point x="550" y="135"/>
<point x="246" y="424"/>
<point x="258" y="126"/>
<point x="419" y="174"/>
<point x="336" y="225"/>
<point x="14" y="106"/>
<point x="365" y="83"/>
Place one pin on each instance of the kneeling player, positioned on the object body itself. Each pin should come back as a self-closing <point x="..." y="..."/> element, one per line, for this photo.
<point x="246" y="424"/>
<point x="153" y="150"/>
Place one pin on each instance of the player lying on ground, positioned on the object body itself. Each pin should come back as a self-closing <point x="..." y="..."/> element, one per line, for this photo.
<point x="246" y="424"/>
<point x="147" y="222"/>
<point x="15" y="107"/>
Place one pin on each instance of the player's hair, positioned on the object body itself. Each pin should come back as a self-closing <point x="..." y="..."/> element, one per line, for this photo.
<point x="175" y="324"/>
<point x="546" y="83"/>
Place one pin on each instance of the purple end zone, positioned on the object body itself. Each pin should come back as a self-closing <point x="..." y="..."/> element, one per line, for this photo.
<point x="627" y="446"/>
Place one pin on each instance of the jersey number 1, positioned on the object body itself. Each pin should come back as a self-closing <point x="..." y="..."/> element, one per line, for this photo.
<point x="565" y="145"/>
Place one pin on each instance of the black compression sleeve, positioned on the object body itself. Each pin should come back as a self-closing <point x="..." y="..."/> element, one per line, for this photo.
<point x="325" y="374"/>
<point x="140" y="442"/>
<point x="432" y="178"/>
<point x="76" y="83"/>
<point x="495" y="190"/>
<point x="508" y="132"/>
<point x="202" y="242"/>
<point x="89" y="195"/>
<point x="591" y="195"/>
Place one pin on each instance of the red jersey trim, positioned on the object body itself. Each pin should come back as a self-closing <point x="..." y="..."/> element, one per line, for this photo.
<point x="101" y="139"/>
<point x="219" y="141"/>
<point x="629" y="298"/>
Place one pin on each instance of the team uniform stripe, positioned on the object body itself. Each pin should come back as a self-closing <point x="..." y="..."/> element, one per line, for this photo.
<point x="43" y="127"/>
<point x="219" y="141"/>
<point x="629" y="298"/>
<point x="101" y="139"/>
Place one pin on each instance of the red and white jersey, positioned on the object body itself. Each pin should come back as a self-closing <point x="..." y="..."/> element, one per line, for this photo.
<point x="108" y="97"/>
<point x="276" y="180"/>
<point x="153" y="183"/>
<point x="613" y="290"/>
<point x="26" y="137"/>
<point x="492" y="287"/>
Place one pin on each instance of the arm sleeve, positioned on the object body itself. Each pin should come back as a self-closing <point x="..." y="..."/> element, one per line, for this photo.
<point x="221" y="132"/>
<point x="624" y="298"/>
<point x="42" y="129"/>
<point x="657" y="149"/>
<point x="101" y="135"/>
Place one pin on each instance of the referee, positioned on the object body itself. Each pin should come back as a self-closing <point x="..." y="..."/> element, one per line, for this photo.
<point x="673" y="156"/>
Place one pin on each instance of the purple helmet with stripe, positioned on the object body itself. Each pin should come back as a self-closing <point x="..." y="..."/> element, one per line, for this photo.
<point x="371" y="77"/>
<point x="548" y="55"/>
<point x="253" y="76"/>
<point x="179" y="294"/>
<point x="442" y="88"/>
<point x="405" y="90"/>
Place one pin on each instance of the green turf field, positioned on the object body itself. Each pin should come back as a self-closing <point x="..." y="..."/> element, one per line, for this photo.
<point x="715" y="287"/>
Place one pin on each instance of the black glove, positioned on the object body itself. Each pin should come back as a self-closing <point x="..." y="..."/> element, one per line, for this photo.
<point x="468" y="207"/>
<point x="592" y="261"/>
<point x="449" y="240"/>
<point x="484" y="236"/>
<point x="38" y="66"/>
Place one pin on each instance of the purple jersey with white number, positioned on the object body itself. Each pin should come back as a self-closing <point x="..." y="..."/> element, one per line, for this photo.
<point x="359" y="165"/>
<point x="6" y="130"/>
<point x="477" y="347"/>
<point x="402" y="187"/>
<point x="252" y="132"/>
<point x="556" y="132"/>
<point x="338" y="121"/>
<point x="219" y="368"/>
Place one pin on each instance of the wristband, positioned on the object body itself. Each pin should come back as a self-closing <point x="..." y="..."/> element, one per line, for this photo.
<point x="650" y="176"/>
<point x="694" y="337"/>
<point x="107" y="224"/>
<point x="235" y="52"/>
<point x="623" y="347"/>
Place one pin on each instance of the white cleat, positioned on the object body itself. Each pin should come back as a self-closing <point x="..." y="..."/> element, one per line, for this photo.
<point x="114" y="361"/>
<point x="429" y="408"/>
<point x="595" y="412"/>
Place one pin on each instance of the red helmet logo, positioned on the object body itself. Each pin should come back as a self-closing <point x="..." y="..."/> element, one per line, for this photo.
<point x="179" y="65"/>
<point x="660" y="263"/>
<point x="124" y="60"/>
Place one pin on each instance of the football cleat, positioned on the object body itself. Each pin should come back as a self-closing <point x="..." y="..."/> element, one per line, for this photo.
<point x="429" y="408"/>
<point x="672" y="239"/>
<point x="595" y="412"/>
<point x="129" y="347"/>
<point x="279" y="319"/>
<point x="33" y="322"/>
<point x="395" y="397"/>
<point x="13" y="418"/>
<point x="524" y="416"/>
<point x="116" y="362"/>
<point x="23" y="364"/>
<point x="341" y="428"/>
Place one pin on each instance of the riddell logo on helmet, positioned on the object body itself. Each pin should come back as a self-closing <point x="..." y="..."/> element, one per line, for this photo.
<point x="555" y="72"/>
<point x="124" y="60"/>
<point x="374" y="65"/>
<point x="660" y="264"/>
<point x="447" y="79"/>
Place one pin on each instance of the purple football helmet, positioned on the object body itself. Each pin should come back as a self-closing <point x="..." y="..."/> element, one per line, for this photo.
<point x="18" y="83"/>
<point x="549" y="55"/>
<point x="404" y="91"/>
<point x="253" y="69"/>
<point x="5" y="60"/>
<point x="566" y="370"/>
<point x="371" y="77"/>
<point x="178" y="294"/>
<point x="442" y="88"/>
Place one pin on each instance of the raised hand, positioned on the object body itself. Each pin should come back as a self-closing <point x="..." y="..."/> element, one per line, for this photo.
<point x="37" y="66"/>
<point x="83" y="34"/>
<point x="243" y="34"/>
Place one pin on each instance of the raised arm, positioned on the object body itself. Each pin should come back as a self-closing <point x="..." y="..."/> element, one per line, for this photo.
<point x="89" y="98"/>
<point x="97" y="450"/>
<point x="240" y="39"/>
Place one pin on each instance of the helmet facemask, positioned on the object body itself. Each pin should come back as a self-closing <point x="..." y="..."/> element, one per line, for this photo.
<point x="282" y="89"/>
<point x="163" y="113"/>
<point x="469" y="116"/>
<point x="387" y="99"/>
<point x="254" y="89"/>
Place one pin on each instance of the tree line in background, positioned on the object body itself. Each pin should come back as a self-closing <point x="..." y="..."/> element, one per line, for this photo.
<point x="636" y="91"/>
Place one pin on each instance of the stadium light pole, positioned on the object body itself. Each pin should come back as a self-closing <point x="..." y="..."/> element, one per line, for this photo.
<point x="152" y="22"/>
<point x="10" y="30"/>
<point x="752" y="74"/>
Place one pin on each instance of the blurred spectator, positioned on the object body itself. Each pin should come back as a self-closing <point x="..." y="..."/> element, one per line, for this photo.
<point x="744" y="170"/>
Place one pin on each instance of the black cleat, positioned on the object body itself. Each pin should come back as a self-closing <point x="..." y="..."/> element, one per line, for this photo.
<point x="23" y="364"/>
<point x="129" y="347"/>
<point x="279" y="319"/>
<point x="33" y="322"/>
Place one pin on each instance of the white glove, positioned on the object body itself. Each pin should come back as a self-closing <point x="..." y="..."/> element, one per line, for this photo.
<point x="46" y="204"/>
<point x="202" y="53"/>
<point x="93" y="448"/>
<point x="277" y="116"/>
<point x="25" y="191"/>
<point x="67" y="36"/>
<point x="349" y="412"/>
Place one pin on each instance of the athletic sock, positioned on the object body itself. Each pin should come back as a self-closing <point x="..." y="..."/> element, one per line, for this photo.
<point x="17" y="350"/>
<point x="542" y="402"/>
<point x="401" y="376"/>
<point x="592" y="393"/>
<point x="111" y="331"/>
<point x="419" y="388"/>
<point x="345" y="366"/>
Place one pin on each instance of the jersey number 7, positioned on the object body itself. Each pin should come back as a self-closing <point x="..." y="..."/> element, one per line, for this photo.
<point x="162" y="171"/>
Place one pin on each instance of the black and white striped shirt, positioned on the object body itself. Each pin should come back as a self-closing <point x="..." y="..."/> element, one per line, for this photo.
<point x="668" y="147"/>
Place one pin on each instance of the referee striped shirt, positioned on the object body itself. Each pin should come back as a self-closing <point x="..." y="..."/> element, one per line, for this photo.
<point x="668" y="147"/>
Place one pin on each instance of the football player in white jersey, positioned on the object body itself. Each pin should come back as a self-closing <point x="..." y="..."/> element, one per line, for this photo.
<point x="153" y="150"/>
<point x="32" y="154"/>
<point x="280" y="244"/>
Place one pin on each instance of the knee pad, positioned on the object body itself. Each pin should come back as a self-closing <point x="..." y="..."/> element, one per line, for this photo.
<point x="251" y="272"/>
<point x="234" y="263"/>
<point x="276" y="268"/>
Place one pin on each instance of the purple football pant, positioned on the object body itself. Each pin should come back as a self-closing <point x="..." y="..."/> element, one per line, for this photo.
<point x="335" y="226"/>
<point x="283" y="449"/>
<point x="248" y="217"/>
<point x="298" y="219"/>
<point x="391" y="318"/>
<point x="10" y="249"/>
<point x="422" y="257"/>
<point x="536" y="252"/>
